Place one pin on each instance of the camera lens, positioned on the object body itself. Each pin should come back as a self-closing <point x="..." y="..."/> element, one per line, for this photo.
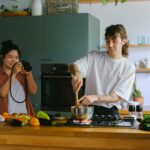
<point x="26" y="66"/>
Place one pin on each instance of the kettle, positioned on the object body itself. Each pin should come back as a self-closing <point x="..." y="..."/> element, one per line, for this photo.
<point x="146" y="62"/>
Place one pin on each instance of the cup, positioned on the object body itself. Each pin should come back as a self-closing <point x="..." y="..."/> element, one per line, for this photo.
<point x="146" y="62"/>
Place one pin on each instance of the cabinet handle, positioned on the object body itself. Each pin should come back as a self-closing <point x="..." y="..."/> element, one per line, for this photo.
<point x="48" y="59"/>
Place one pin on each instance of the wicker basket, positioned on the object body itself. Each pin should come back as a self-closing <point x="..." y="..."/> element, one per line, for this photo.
<point x="62" y="6"/>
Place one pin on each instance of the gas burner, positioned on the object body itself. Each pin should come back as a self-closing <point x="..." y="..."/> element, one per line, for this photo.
<point x="104" y="121"/>
<point x="115" y="121"/>
<point x="79" y="122"/>
<point x="112" y="120"/>
<point x="82" y="122"/>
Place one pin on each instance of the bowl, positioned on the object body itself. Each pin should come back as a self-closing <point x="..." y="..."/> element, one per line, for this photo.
<point x="82" y="112"/>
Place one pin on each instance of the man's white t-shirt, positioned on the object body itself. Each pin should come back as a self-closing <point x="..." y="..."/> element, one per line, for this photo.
<point x="19" y="95"/>
<point x="105" y="75"/>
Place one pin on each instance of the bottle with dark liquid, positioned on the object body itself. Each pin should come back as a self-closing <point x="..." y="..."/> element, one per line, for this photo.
<point x="132" y="112"/>
<point x="139" y="111"/>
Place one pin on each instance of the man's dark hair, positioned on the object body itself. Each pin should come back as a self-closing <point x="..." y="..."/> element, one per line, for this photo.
<point x="113" y="31"/>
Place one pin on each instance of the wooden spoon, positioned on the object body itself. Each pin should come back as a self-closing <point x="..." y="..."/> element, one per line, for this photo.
<point x="77" y="104"/>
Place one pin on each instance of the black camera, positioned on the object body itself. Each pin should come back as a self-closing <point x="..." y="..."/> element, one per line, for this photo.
<point x="26" y="65"/>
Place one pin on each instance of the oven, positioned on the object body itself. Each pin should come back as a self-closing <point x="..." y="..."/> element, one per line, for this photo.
<point x="56" y="89"/>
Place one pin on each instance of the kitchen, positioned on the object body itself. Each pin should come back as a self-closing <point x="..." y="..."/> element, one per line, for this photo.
<point x="77" y="133"/>
<point x="135" y="30"/>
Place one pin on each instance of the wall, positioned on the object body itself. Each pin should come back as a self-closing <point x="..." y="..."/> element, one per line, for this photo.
<point x="135" y="17"/>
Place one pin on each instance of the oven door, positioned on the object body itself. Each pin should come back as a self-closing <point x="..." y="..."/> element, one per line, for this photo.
<point x="57" y="93"/>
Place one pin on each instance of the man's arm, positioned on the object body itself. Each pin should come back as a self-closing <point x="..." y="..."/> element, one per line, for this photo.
<point x="111" y="98"/>
<point x="88" y="99"/>
<point x="74" y="69"/>
<point x="77" y="80"/>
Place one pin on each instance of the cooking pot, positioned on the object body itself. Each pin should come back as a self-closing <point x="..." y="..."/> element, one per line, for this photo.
<point x="82" y="112"/>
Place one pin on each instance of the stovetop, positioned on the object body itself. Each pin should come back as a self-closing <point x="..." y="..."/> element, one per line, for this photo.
<point x="99" y="121"/>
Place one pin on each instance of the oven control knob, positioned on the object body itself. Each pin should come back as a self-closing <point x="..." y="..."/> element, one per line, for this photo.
<point x="54" y="68"/>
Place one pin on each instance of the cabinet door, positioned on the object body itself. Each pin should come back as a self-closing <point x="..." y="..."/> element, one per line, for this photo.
<point x="65" y="38"/>
<point x="26" y="33"/>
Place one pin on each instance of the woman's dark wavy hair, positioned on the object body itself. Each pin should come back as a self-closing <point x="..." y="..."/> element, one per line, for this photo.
<point x="8" y="46"/>
<point x="113" y="31"/>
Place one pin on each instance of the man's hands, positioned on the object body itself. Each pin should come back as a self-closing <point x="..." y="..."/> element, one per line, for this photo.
<point x="88" y="99"/>
<point x="77" y="81"/>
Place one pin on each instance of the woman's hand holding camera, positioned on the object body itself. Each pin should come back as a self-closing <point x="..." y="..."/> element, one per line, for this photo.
<point x="17" y="68"/>
<point x="22" y="67"/>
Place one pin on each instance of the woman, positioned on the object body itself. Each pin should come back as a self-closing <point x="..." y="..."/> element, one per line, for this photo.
<point x="15" y="82"/>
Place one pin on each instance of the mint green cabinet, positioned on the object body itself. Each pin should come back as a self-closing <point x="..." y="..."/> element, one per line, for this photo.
<point x="67" y="37"/>
<point x="51" y="39"/>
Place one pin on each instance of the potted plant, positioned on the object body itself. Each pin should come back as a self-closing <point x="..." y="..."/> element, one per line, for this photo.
<point x="137" y="94"/>
<point x="13" y="10"/>
<point x="116" y="1"/>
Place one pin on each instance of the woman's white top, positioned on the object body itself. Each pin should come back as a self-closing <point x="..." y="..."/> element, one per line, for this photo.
<point x="105" y="75"/>
<point x="19" y="95"/>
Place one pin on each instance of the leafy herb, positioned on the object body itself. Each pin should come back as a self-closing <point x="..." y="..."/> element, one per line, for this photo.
<point x="116" y="1"/>
<point x="4" y="8"/>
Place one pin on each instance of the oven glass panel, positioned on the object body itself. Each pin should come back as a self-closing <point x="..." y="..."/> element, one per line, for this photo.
<point x="57" y="93"/>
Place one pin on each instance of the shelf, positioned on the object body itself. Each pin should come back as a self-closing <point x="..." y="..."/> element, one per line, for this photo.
<point x="143" y="70"/>
<point x="131" y="45"/>
<point x="140" y="45"/>
<point x="15" y="13"/>
<point x="99" y="1"/>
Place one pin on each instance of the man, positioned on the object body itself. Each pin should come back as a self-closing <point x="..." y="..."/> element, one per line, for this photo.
<point x="109" y="75"/>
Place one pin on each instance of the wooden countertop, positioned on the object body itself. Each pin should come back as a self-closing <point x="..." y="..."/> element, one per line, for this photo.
<point x="81" y="138"/>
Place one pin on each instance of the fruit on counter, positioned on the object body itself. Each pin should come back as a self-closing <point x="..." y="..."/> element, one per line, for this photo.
<point x="34" y="121"/>
<point x="17" y="122"/>
<point x="43" y="115"/>
<point x="21" y="119"/>
<point x="7" y="116"/>
<point x="18" y="119"/>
